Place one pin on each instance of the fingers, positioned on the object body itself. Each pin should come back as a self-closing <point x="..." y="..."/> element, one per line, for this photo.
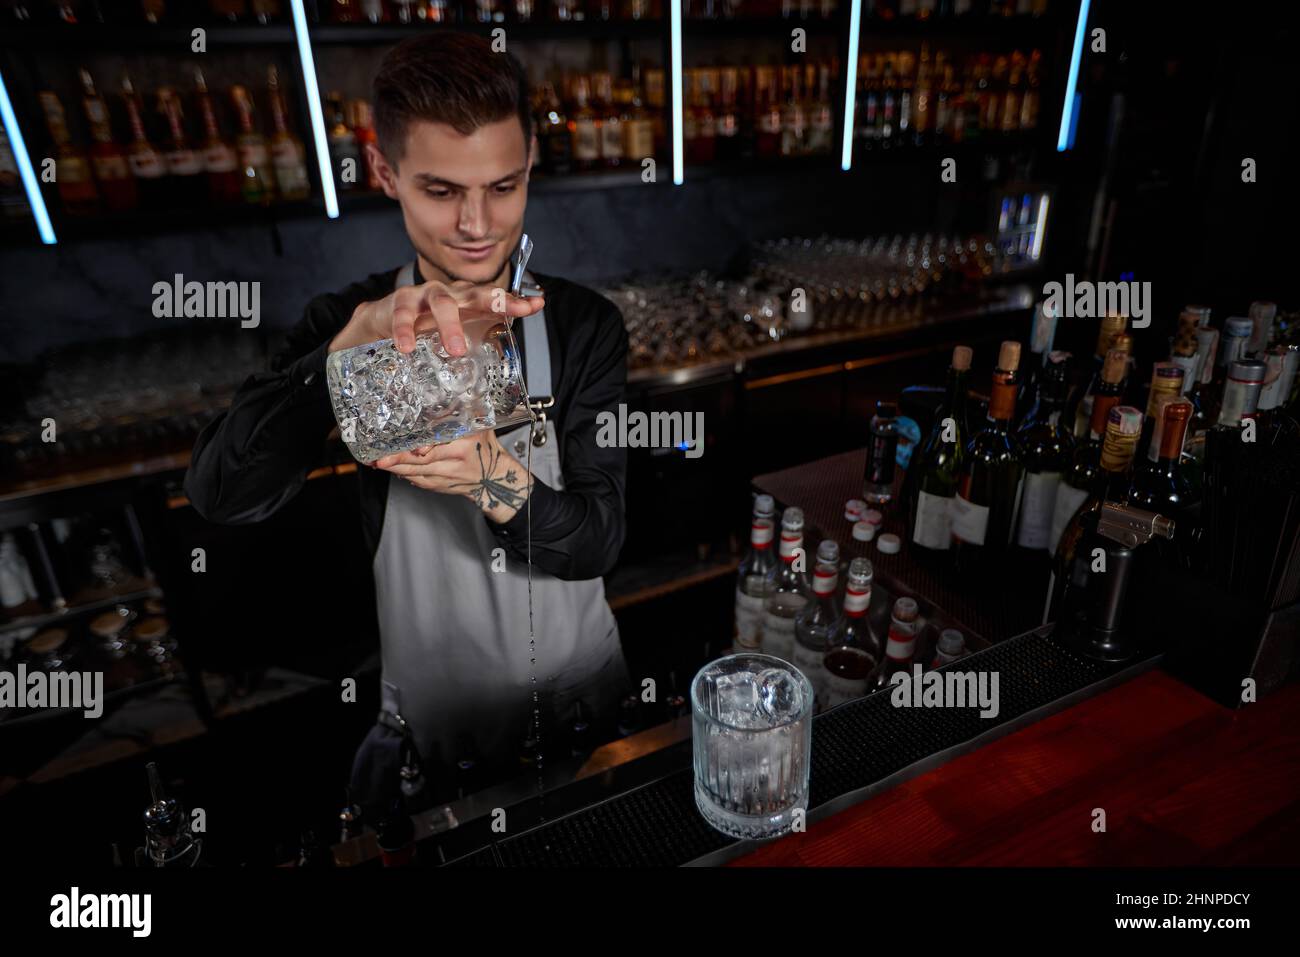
<point x="428" y="454"/>
<point x="406" y="310"/>
<point x="446" y="314"/>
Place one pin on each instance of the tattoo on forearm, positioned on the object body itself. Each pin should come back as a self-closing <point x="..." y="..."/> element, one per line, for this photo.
<point x="499" y="484"/>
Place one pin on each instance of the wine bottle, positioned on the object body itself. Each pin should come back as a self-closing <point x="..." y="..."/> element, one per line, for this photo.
<point x="1166" y="383"/>
<point x="1040" y="348"/>
<point x="1078" y="478"/>
<point x="984" y="509"/>
<point x="1078" y="412"/>
<point x="936" y="465"/>
<point x="1164" y="487"/>
<point x="1047" y="447"/>
<point x="1111" y="483"/>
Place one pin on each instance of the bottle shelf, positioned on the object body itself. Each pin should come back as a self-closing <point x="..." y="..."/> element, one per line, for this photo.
<point x="142" y="38"/>
<point x="361" y="34"/>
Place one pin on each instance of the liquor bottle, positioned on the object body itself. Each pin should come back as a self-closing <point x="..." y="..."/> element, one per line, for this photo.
<point x="793" y="119"/>
<point x="1073" y="558"/>
<point x="189" y="186"/>
<point x="638" y="128"/>
<point x="287" y="153"/>
<point x="1182" y="353"/>
<point x="815" y="623"/>
<point x="903" y="133"/>
<point x="363" y="129"/>
<point x="888" y="114"/>
<point x="220" y="161"/>
<point x="936" y="466"/>
<point x="950" y="647"/>
<point x="1263" y="316"/>
<point x="786" y="591"/>
<point x="867" y="110"/>
<point x="396" y="836"/>
<point x="1231" y="347"/>
<point x="584" y="128"/>
<point x="878" y="477"/>
<point x="727" y="123"/>
<point x="372" y="11"/>
<point x="1047" y="448"/>
<point x="654" y="99"/>
<point x="767" y="139"/>
<point x="145" y="162"/>
<point x="112" y="174"/>
<point x="1030" y="98"/>
<point x="923" y="99"/>
<point x="1164" y="487"/>
<point x="821" y="116"/>
<point x="258" y="179"/>
<point x="984" y="510"/>
<point x="1041" y="338"/>
<point x="553" y="135"/>
<point x="350" y="818"/>
<point x="704" y="118"/>
<point x="75" y="183"/>
<point x="1166" y="384"/>
<point x="1078" y="479"/>
<point x="611" y="124"/>
<point x="345" y="155"/>
<point x="853" y="649"/>
<point x="1079" y="409"/>
<point x="751" y="577"/>
<point x="901" y="644"/>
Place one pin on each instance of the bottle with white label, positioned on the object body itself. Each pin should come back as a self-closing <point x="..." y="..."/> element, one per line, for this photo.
<point x="1047" y="447"/>
<point x="751" y="578"/>
<point x="984" y="510"/>
<point x="814" y="625"/>
<point x="936" y="466"/>
<point x="787" y="590"/>
<point x="854" y="651"/>
<point x="904" y="623"/>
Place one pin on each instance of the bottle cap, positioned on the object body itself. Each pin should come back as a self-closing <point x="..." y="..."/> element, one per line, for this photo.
<point x="873" y="517"/>
<point x="828" y="552"/>
<point x="951" y="641"/>
<point x="764" y="504"/>
<point x="792" y="517"/>
<point x="890" y="544"/>
<point x="864" y="531"/>
<point x="961" y="356"/>
<point x="861" y="568"/>
<point x="1238" y="326"/>
<point x="1124" y="343"/>
<point x="854" y="508"/>
<point x="1125" y="419"/>
<point x="906" y="609"/>
<point x="1009" y="356"/>
<point x="1248" y="370"/>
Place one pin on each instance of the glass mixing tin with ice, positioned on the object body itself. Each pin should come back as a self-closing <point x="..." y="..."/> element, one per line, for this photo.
<point x="388" y="402"/>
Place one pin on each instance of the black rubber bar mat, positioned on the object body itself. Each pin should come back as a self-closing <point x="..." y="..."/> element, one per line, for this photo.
<point x="858" y="749"/>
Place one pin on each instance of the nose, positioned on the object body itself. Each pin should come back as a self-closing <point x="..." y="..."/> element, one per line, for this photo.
<point x="473" y="215"/>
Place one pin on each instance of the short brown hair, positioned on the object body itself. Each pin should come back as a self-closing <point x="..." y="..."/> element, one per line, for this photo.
<point x="447" y="77"/>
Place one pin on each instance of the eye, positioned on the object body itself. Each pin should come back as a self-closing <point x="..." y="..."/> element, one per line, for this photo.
<point x="438" y="193"/>
<point x="504" y="188"/>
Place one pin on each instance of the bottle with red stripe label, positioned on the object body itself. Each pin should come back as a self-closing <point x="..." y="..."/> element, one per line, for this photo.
<point x="854" y="651"/>
<point x="816" y="623"/>
<point x="751" y="578"/>
<point x="904" y="624"/>
<point x="787" y="590"/>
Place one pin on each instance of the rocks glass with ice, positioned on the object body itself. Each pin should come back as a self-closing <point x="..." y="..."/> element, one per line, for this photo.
<point x="753" y="744"/>
<point x="387" y="402"/>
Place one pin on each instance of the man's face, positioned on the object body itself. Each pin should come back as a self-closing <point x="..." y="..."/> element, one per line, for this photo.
<point x="462" y="197"/>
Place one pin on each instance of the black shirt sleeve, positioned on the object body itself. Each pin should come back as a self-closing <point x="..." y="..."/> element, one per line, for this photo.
<point x="578" y="533"/>
<point x="255" y="456"/>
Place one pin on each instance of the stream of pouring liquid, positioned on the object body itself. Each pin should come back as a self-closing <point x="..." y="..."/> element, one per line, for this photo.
<point x="532" y="638"/>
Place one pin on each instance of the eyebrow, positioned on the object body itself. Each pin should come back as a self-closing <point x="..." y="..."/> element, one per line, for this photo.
<point x="429" y="179"/>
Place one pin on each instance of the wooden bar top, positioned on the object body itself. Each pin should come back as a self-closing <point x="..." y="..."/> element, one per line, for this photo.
<point x="1182" y="781"/>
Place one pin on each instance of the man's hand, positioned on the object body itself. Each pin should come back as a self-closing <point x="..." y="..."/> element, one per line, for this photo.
<point x="476" y="466"/>
<point x="406" y="312"/>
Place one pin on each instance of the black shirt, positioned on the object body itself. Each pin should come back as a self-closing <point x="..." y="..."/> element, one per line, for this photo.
<point x="255" y="456"/>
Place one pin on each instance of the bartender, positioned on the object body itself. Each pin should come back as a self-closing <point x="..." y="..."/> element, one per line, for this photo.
<point x="455" y="146"/>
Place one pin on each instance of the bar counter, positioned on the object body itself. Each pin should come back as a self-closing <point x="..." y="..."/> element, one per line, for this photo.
<point x="1181" y="777"/>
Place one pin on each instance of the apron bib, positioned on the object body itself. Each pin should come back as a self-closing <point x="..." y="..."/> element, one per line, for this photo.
<point x="454" y="632"/>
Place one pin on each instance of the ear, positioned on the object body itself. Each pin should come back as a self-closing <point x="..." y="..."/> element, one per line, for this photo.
<point x="387" y="175"/>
